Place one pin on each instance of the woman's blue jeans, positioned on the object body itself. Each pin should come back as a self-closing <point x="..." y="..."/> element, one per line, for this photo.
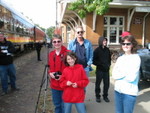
<point x="124" y="103"/>
<point x="57" y="100"/>
<point x="5" y="72"/>
<point x="79" y="106"/>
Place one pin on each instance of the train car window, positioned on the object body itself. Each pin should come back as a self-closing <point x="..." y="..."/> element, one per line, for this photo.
<point x="1" y="19"/>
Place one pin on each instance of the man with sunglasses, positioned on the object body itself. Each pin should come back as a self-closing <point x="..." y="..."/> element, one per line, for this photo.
<point x="83" y="49"/>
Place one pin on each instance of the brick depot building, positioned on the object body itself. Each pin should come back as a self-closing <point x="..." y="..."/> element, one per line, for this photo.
<point x="123" y="15"/>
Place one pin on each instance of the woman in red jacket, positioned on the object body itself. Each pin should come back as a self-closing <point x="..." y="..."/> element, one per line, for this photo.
<point x="73" y="82"/>
<point x="57" y="65"/>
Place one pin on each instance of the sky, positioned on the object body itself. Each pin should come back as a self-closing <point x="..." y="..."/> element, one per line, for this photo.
<point x="42" y="12"/>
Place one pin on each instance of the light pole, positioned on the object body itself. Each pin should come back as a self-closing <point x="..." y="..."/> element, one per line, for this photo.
<point x="56" y="14"/>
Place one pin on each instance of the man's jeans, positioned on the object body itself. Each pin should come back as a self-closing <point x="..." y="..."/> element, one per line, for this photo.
<point x="5" y="72"/>
<point x="57" y="101"/>
<point x="124" y="103"/>
<point x="79" y="106"/>
<point x="87" y="71"/>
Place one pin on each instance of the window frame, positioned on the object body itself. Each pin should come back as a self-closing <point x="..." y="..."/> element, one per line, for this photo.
<point x="107" y="26"/>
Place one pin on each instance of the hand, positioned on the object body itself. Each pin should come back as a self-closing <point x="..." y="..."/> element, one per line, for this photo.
<point x="74" y="85"/>
<point x="69" y="83"/>
<point x="59" y="76"/>
<point x="4" y="51"/>
<point x="52" y="75"/>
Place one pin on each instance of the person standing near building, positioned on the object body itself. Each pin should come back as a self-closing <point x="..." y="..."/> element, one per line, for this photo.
<point x="102" y="61"/>
<point x="7" y="68"/>
<point x="83" y="49"/>
<point x="57" y="65"/>
<point x="38" y="47"/>
<point x="73" y="81"/>
<point x="126" y="76"/>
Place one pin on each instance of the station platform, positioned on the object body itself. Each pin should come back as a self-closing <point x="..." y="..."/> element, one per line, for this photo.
<point x="29" y="78"/>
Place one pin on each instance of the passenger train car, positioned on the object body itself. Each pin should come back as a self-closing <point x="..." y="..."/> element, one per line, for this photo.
<point x="19" y="29"/>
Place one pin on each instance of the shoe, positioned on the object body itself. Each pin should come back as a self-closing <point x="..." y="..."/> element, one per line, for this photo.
<point x="15" y="89"/>
<point x="98" y="100"/>
<point x="40" y="60"/>
<point x="4" y="93"/>
<point x="106" y="99"/>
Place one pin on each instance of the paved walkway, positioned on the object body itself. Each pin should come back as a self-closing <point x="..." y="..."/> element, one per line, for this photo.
<point x="142" y="106"/>
<point x="29" y="75"/>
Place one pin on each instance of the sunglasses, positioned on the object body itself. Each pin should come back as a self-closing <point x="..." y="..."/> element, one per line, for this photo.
<point x="128" y="44"/>
<point x="80" y="32"/>
<point x="56" y="42"/>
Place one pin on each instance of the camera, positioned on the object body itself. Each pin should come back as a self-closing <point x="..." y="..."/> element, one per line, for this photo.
<point x="56" y="74"/>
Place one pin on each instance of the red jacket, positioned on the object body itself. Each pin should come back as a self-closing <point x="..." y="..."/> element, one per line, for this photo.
<point x="56" y="64"/>
<point x="78" y="75"/>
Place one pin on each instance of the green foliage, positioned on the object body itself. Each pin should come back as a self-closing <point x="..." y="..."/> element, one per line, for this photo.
<point x="90" y="7"/>
<point x="76" y="4"/>
<point x="50" y="31"/>
<point x="40" y="27"/>
<point x="82" y="7"/>
<point x="82" y="13"/>
<point x="92" y="73"/>
<point x="102" y="9"/>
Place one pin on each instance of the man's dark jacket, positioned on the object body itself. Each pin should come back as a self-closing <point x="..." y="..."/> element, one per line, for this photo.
<point x="102" y="58"/>
<point x="6" y="58"/>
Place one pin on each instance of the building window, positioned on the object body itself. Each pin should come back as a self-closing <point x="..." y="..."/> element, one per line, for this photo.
<point x="113" y="27"/>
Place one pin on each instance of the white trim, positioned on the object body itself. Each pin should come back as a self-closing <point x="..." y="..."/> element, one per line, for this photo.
<point x="130" y="18"/>
<point x="143" y="34"/>
<point x="94" y="20"/>
<point x="117" y="26"/>
<point x="70" y="23"/>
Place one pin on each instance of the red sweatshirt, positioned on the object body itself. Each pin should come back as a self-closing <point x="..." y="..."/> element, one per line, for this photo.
<point x="75" y="74"/>
<point x="56" y="64"/>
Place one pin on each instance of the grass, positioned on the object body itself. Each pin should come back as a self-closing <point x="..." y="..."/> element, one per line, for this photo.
<point x="92" y="73"/>
<point x="49" y="107"/>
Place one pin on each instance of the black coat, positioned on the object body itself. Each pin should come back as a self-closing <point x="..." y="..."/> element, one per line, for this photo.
<point x="102" y="58"/>
<point x="38" y="46"/>
<point x="6" y="58"/>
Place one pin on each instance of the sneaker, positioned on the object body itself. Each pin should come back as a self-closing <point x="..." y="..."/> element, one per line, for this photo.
<point x="106" y="99"/>
<point x="98" y="100"/>
<point x="4" y="93"/>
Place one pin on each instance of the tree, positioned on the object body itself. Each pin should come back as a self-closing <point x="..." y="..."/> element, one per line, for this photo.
<point x="40" y="27"/>
<point x="50" y="31"/>
<point x="82" y="7"/>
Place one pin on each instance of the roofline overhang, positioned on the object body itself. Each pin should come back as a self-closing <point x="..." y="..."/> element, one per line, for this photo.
<point x="123" y="4"/>
<point x="128" y="4"/>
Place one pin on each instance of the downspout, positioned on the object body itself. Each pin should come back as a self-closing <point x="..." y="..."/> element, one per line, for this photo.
<point x="143" y="34"/>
